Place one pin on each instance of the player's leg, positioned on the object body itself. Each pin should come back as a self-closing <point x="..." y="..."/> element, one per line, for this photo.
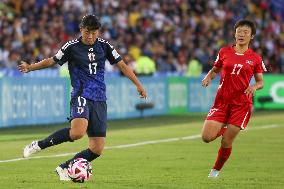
<point x="96" y="131"/>
<point x="238" y="120"/>
<point x="79" y="123"/>
<point x="78" y="128"/>
<point x="215" y="123"/>
<point x="77" y="131"/>
<point x="225" y="149"/>
<point x="96" y="146"/>
<point x="211" y="130"/>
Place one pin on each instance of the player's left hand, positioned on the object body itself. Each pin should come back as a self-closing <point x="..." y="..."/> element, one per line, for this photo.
<point x="206" y="82"/>
<point x="250" y="90"/>
<point x="142" y="92"/>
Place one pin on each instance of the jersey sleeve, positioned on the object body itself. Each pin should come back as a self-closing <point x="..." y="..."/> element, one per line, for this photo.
<point x="63" y="55"/>
<point x="260" y="66"/>
<point x="219" y="60"/>
<point x="111" y="54"/>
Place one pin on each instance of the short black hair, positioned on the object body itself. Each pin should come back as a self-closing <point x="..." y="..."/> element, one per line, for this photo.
<point x="248" y="23"/>
<point x="90" y="22"/>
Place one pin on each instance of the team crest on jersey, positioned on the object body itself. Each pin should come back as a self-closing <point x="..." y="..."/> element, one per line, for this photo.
<point x="80" y="110"/>
<point x="212" y="111"/>
<point x="91" y="49"/>
<point x="250" y="62"/>
<point x="91" y="56"/>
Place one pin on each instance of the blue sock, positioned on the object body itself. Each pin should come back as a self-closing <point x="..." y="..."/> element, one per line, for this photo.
<point x="58" y="137"/>
<point x="86" y="154"/>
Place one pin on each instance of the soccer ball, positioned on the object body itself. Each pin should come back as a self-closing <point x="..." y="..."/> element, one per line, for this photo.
<point x="79" y="170"/>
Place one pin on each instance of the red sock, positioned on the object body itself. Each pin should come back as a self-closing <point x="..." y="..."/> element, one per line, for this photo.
<point x="222" y="131"/>
<point x="223" y="155"/>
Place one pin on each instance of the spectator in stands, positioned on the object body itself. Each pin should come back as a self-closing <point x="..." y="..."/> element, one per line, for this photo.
<point x="194" y="68"/>
<point x="167" y="64"/>
<point x="145" y="66"/>
<point x="180" y="27"/>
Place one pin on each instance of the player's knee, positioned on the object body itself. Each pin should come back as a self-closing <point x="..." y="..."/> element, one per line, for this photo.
<point x="225" y="143"/>
<point x="206" y="138"/>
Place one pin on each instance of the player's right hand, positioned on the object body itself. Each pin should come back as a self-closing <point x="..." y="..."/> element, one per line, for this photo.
<point x="142" y="92"/>
<point x="24" y="67"/>
<point x="206" y="82"/>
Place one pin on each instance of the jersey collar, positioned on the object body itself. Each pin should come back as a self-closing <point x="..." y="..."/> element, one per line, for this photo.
<point x="246" y="52"/>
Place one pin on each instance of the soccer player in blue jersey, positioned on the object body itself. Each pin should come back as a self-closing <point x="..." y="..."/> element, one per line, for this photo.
<point x="86" y="58"/>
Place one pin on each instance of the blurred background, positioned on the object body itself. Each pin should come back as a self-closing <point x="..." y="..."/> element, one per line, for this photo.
<point x="170" y="42"/>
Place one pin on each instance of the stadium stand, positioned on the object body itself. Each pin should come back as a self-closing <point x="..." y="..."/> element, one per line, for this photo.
<point x="170" y="32"/>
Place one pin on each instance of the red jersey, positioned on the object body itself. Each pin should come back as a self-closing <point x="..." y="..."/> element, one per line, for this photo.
<point x="236" y="74"/>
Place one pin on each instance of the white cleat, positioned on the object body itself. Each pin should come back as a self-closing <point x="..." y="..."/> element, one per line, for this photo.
<point x="31" y="149"/>
<point x="62" y="173"/>
<point x="213" y="173"/>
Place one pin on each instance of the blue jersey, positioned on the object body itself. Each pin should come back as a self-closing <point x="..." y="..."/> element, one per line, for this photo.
<point x="86" y="64"/>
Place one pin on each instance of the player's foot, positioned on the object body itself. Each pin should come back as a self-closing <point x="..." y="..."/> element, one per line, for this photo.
<point x="31" y="149"/>
<point x="213" y="173"/>
<point x="62" y="173"/>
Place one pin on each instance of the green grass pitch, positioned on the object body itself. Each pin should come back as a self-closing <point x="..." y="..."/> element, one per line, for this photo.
<point x="160" y="158"/>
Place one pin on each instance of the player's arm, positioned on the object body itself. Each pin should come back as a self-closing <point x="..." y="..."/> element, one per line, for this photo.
<point x="130" y="74"/>
<point x="258" y="84"/>
<point x="24" y="67"/>
<point x="210" y="76"/>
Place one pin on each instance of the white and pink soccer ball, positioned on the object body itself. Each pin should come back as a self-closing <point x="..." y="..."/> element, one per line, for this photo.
<point x="79" y="170"/>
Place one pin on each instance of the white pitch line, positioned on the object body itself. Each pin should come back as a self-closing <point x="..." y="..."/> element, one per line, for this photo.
<point x="264" y="127"/>
<point x="154" y="142"/>
<point x="191" y="137"/>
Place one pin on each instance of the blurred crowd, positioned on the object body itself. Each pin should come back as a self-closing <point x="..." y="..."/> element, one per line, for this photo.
<point x="153" y="36"/>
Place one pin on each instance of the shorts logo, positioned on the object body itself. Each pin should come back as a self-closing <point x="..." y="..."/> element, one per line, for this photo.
<point x="80" y="110"/>
<point x="212" y="111"/>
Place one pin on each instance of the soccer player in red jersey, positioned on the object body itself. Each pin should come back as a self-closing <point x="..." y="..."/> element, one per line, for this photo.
<point x="232" y="107"/>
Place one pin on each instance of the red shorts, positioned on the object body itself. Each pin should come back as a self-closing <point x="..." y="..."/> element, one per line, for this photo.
<point x="237" y="115"/>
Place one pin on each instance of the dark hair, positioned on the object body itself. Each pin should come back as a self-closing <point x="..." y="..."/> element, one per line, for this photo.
<point x="248" y="23"/>
<point x="90" y="22"/>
